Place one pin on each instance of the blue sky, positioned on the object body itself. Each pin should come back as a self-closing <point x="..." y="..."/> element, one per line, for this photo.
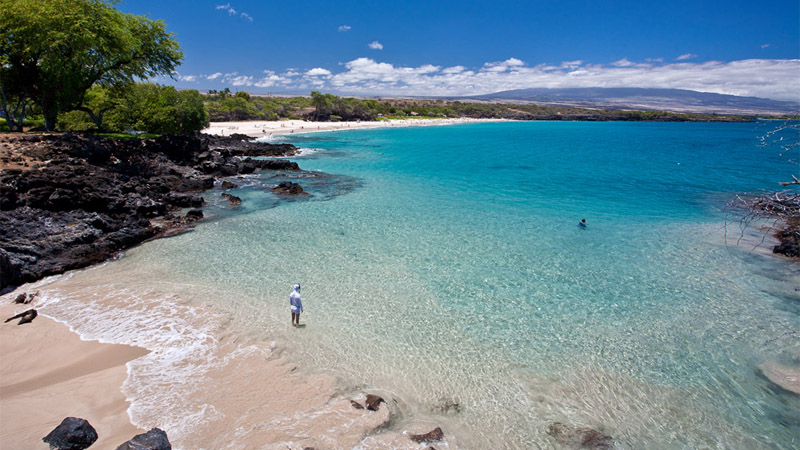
<point x="442" y="47"/>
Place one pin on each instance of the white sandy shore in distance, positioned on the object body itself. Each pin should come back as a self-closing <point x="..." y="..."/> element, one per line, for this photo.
<point x="262" y="128"/>
<point x="47" y="373"/>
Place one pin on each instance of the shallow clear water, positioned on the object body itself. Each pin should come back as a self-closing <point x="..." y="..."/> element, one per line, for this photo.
<point x="444" y="266"/>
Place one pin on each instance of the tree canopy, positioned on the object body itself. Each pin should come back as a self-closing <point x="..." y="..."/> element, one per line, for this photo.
<point x="53" y="51"/>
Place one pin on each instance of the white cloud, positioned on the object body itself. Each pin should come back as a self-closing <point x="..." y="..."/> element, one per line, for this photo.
<point x="571" y="64"/>
<point x="344" y="28"/>
<point x="622" y="63"/>
<point x="375" y="45"/>
<point x="655" y="60"/>
<point x="765" y="46"/>
<point x="189" y="78"/>
<point x="454" y="69"/>
<point x="232" y="11"/>
<point x="502" y="66"/>
<point x="234" y="79"/>
<point x="214" y="76"/>
<point x="686" y="56"/>
<point x="227" y="7"/>
<point x="760" y="78"/>
<point x="318" y="71"/>
<point x="768" y="78"/>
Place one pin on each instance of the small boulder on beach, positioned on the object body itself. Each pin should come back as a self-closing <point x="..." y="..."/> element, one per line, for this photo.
<point x="155" y="439"/>
<point x="432" y="436"/>
<point x="72" y="434"/>
<point x="374" y="401"/>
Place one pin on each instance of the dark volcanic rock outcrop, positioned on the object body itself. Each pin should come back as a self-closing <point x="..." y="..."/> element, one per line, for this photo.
<point x="79" y="199"/>
<point x="155" y="439"/>
<point x="71" y="434"/>
<point x="289" y="188"/>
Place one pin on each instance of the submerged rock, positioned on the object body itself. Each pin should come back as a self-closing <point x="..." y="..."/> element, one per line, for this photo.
<point x="232" y="199"/>
<point x="579" y="437"/>
<point x="289" y="188"/>
<point x="155" y="439"/>
<point x="72" y="434"/>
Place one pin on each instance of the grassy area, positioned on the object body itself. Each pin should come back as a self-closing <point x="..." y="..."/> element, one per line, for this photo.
<point x="27" y="125"/>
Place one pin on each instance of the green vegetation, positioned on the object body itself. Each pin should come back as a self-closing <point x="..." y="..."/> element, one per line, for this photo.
<point x="224" y="106"/>
<point x="142" y="107"/>
<point x="227" y="106"/>
<point x="52" y="52"/>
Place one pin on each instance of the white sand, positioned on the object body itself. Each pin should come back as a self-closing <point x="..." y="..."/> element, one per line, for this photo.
<point x="266" y="129"/>
<point x="48" y="373"/>
<point x="247" y="397"/>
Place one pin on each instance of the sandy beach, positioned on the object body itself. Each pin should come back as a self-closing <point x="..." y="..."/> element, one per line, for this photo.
<point x="259" y="129"/>
<point x="206" y="386"/>
<point x="48" y="373"/>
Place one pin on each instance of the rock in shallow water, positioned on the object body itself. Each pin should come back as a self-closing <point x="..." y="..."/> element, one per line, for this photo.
<point x="373" y="402"/>
<point x="155" y="439"/>
<point x="579" y="437"/>
<point x="434" y="435"/>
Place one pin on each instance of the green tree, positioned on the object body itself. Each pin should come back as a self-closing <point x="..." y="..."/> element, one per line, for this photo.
<point x="159" y="109"/>
<point x="53" y="51"/>
<point x="99" y="100"/>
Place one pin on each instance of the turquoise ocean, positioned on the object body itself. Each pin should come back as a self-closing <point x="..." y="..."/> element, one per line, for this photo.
<point x="443" y="268"/>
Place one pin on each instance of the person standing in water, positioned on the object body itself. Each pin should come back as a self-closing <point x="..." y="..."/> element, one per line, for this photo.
<point x="582" y="223"/>
<point x="296" y="305"/>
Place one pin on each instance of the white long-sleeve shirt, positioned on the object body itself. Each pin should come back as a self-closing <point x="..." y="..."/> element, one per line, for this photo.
<point x="295" y="302"/>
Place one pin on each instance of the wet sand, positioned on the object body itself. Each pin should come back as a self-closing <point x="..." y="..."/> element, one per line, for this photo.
<point x="48" y="373"/>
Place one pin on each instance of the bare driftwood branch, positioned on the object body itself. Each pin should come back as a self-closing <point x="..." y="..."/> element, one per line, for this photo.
<point x="787" y="183"/>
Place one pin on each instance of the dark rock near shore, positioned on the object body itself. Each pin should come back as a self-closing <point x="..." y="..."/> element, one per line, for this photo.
<point x="228" y="185"/>
<point x="155" y="439"/>
<point x="356" y="405"/>
<point x="432" y="436"/>
<point x="83" y="198"/>
<point x="24" y="317"/>
<point x="373" y="402"/>
<point x="789" y="237"/>
<point x="232" y="199"/>
<point x="72" y="434"/>
<point x="579" y="437"/>
<point x="289" y="188"/>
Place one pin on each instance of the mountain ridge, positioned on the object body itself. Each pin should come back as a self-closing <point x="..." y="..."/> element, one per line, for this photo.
<point x="676" y="100"/>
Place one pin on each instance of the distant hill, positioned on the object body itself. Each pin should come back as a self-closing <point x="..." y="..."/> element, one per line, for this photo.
<point x="677" y="100"/>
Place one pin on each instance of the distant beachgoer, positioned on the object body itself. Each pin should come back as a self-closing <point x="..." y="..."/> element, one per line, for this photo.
<point x="582" y="223"/>
<point x="296" y="305"/>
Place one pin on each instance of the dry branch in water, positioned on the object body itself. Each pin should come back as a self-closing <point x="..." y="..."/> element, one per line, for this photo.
<point x="777" y="208"/>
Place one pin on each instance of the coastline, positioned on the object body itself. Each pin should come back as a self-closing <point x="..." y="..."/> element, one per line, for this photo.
<point x="255" y="366"/>
<point x="97" y="386"/>
<point x="150" y="359"/>
<point x="48" y="373"/>
<point x="266" y="129"/>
